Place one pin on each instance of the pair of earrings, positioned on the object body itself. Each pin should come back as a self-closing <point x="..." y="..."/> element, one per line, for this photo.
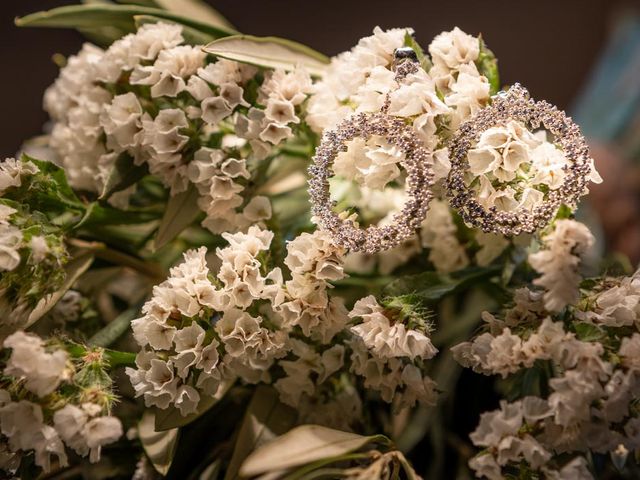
<point x="514" y="104"/>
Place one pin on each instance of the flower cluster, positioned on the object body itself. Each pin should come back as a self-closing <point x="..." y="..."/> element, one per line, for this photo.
<point x="513" y="168"/>
<point x="590" y="405"/>
<point x="564" y="245"/>
<point x="202" y="330"/>
<point x="49" y="399"/>
<point x="389" y="347"/>
<point x="360" y="79"/>
<point x="32" y="251"/>
<point x="160" y="103"/>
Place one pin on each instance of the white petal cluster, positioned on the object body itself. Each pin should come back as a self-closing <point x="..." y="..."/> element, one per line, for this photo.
<point x="41" y="371"/>
<point x="10" y="240"/>
<point x="359" y="81"/>
<point x="370" y="162"/>
<point x="500" y="432"/>
<point x="386" y="353"/>
<point x="162" y="103"/>
<point x="454" y="55"/>
<point x="176" y="362"/>
<point x="558" y="262"/>
<point x="12" y="171"/>
<point x="617" y="304"/>
<point x="314" y="260"/>
<point x="590" y="404"/>
<point x="439" y="235"/>
<point x="512" y="168"/>
<point x="86" y="432"/>
<point x="22" y="422"/>
<point x="40" y="417"/>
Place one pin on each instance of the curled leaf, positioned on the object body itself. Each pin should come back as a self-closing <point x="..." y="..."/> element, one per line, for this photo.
<point x="74" y="269"/>
<point x="160" y="447"/>
<point x="265" y="418"/>
<point x="303" y="445"/>
<point x="182" y="210"/>
<point x="197" y="10"/>
<point x="269" y="52"/>
<point x="171" y="417"/>
<point x="99" y="15"/>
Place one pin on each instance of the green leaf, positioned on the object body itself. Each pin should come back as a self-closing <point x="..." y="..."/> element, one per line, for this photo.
<point x="124" y="173"/>
<point x="172" y="418"/>
<point x="564" y="212"/>
<point x="588" y="332"/>
<point x="269" y="52"/>
<point x="160" y="447"/>
<point x="197" y="10"/>
<point x="73" y="269"/>
<point x="265" y="418"/>
<point x="114" y="330"/>
<point x="190" y="35"/>
<point x="431" y="286"/>
<point x="49" y="188"/>
<point x="117" y="16"/>
<point x="102" y="215"/>
<point x="182" y="210"/>
<point x="487" y="64"/>
<point x="411" y="42"/>
<point x="303" y="445"/>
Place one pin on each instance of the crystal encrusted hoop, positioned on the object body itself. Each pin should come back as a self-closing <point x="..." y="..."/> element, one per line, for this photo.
<point x="516" y="104"/>
<point x="416" y="162"/>
<point x="418" y="182"/>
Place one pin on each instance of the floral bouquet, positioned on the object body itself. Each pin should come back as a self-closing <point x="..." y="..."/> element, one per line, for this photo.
<point x="232" y="257"/>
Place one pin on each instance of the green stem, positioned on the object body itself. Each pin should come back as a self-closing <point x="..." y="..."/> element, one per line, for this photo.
<point x="101" y="250"/>
<point x="119" y="359"/>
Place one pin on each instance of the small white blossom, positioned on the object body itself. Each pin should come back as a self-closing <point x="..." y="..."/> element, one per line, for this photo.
<point x="558" y="262"/>
<point x="42" y="371"/>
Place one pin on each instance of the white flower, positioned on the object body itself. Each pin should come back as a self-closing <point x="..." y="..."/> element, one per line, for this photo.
<point x="10" y="243"/>
<point x="187" y="399"/>
<point x="439" y="235"/>
<point x="69" y="422"/>
<point x="101" y="431"/>
<point x="11" y="172"/>
<point x="290" y="87"/>
<point x="281" y="112"/>
<point x="39" y="248"/>
<point x="258" y="208"/>
<point x="454" y="48"/>
<point x="316" y="254"/>
<point x="41" y="371"/>
<point x="384" y="339"/>
<point x="23" y="423"/>
<point x="558" y="262"/>
<point x="372" y="163"/>
<point x="501" y="151"/>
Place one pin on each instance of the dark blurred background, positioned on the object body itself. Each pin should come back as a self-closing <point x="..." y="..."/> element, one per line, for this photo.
<point x="583" y="55"/>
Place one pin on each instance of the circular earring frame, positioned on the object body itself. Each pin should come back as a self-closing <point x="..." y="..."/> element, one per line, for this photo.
<point x="516" y="104"/>
<point x="417" y="164"/>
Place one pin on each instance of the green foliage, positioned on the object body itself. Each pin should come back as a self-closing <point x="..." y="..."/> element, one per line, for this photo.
<point x="487" y="64"/>
<point x="410" y="41"/>
<point x="268" y="52"/>
<point x="95" y="17"/>
<point x="432" y="286"/>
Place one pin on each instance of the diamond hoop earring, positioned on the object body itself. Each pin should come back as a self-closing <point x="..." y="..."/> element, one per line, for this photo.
<point x="416" y="163"/>
<point x="517" y="105"/>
